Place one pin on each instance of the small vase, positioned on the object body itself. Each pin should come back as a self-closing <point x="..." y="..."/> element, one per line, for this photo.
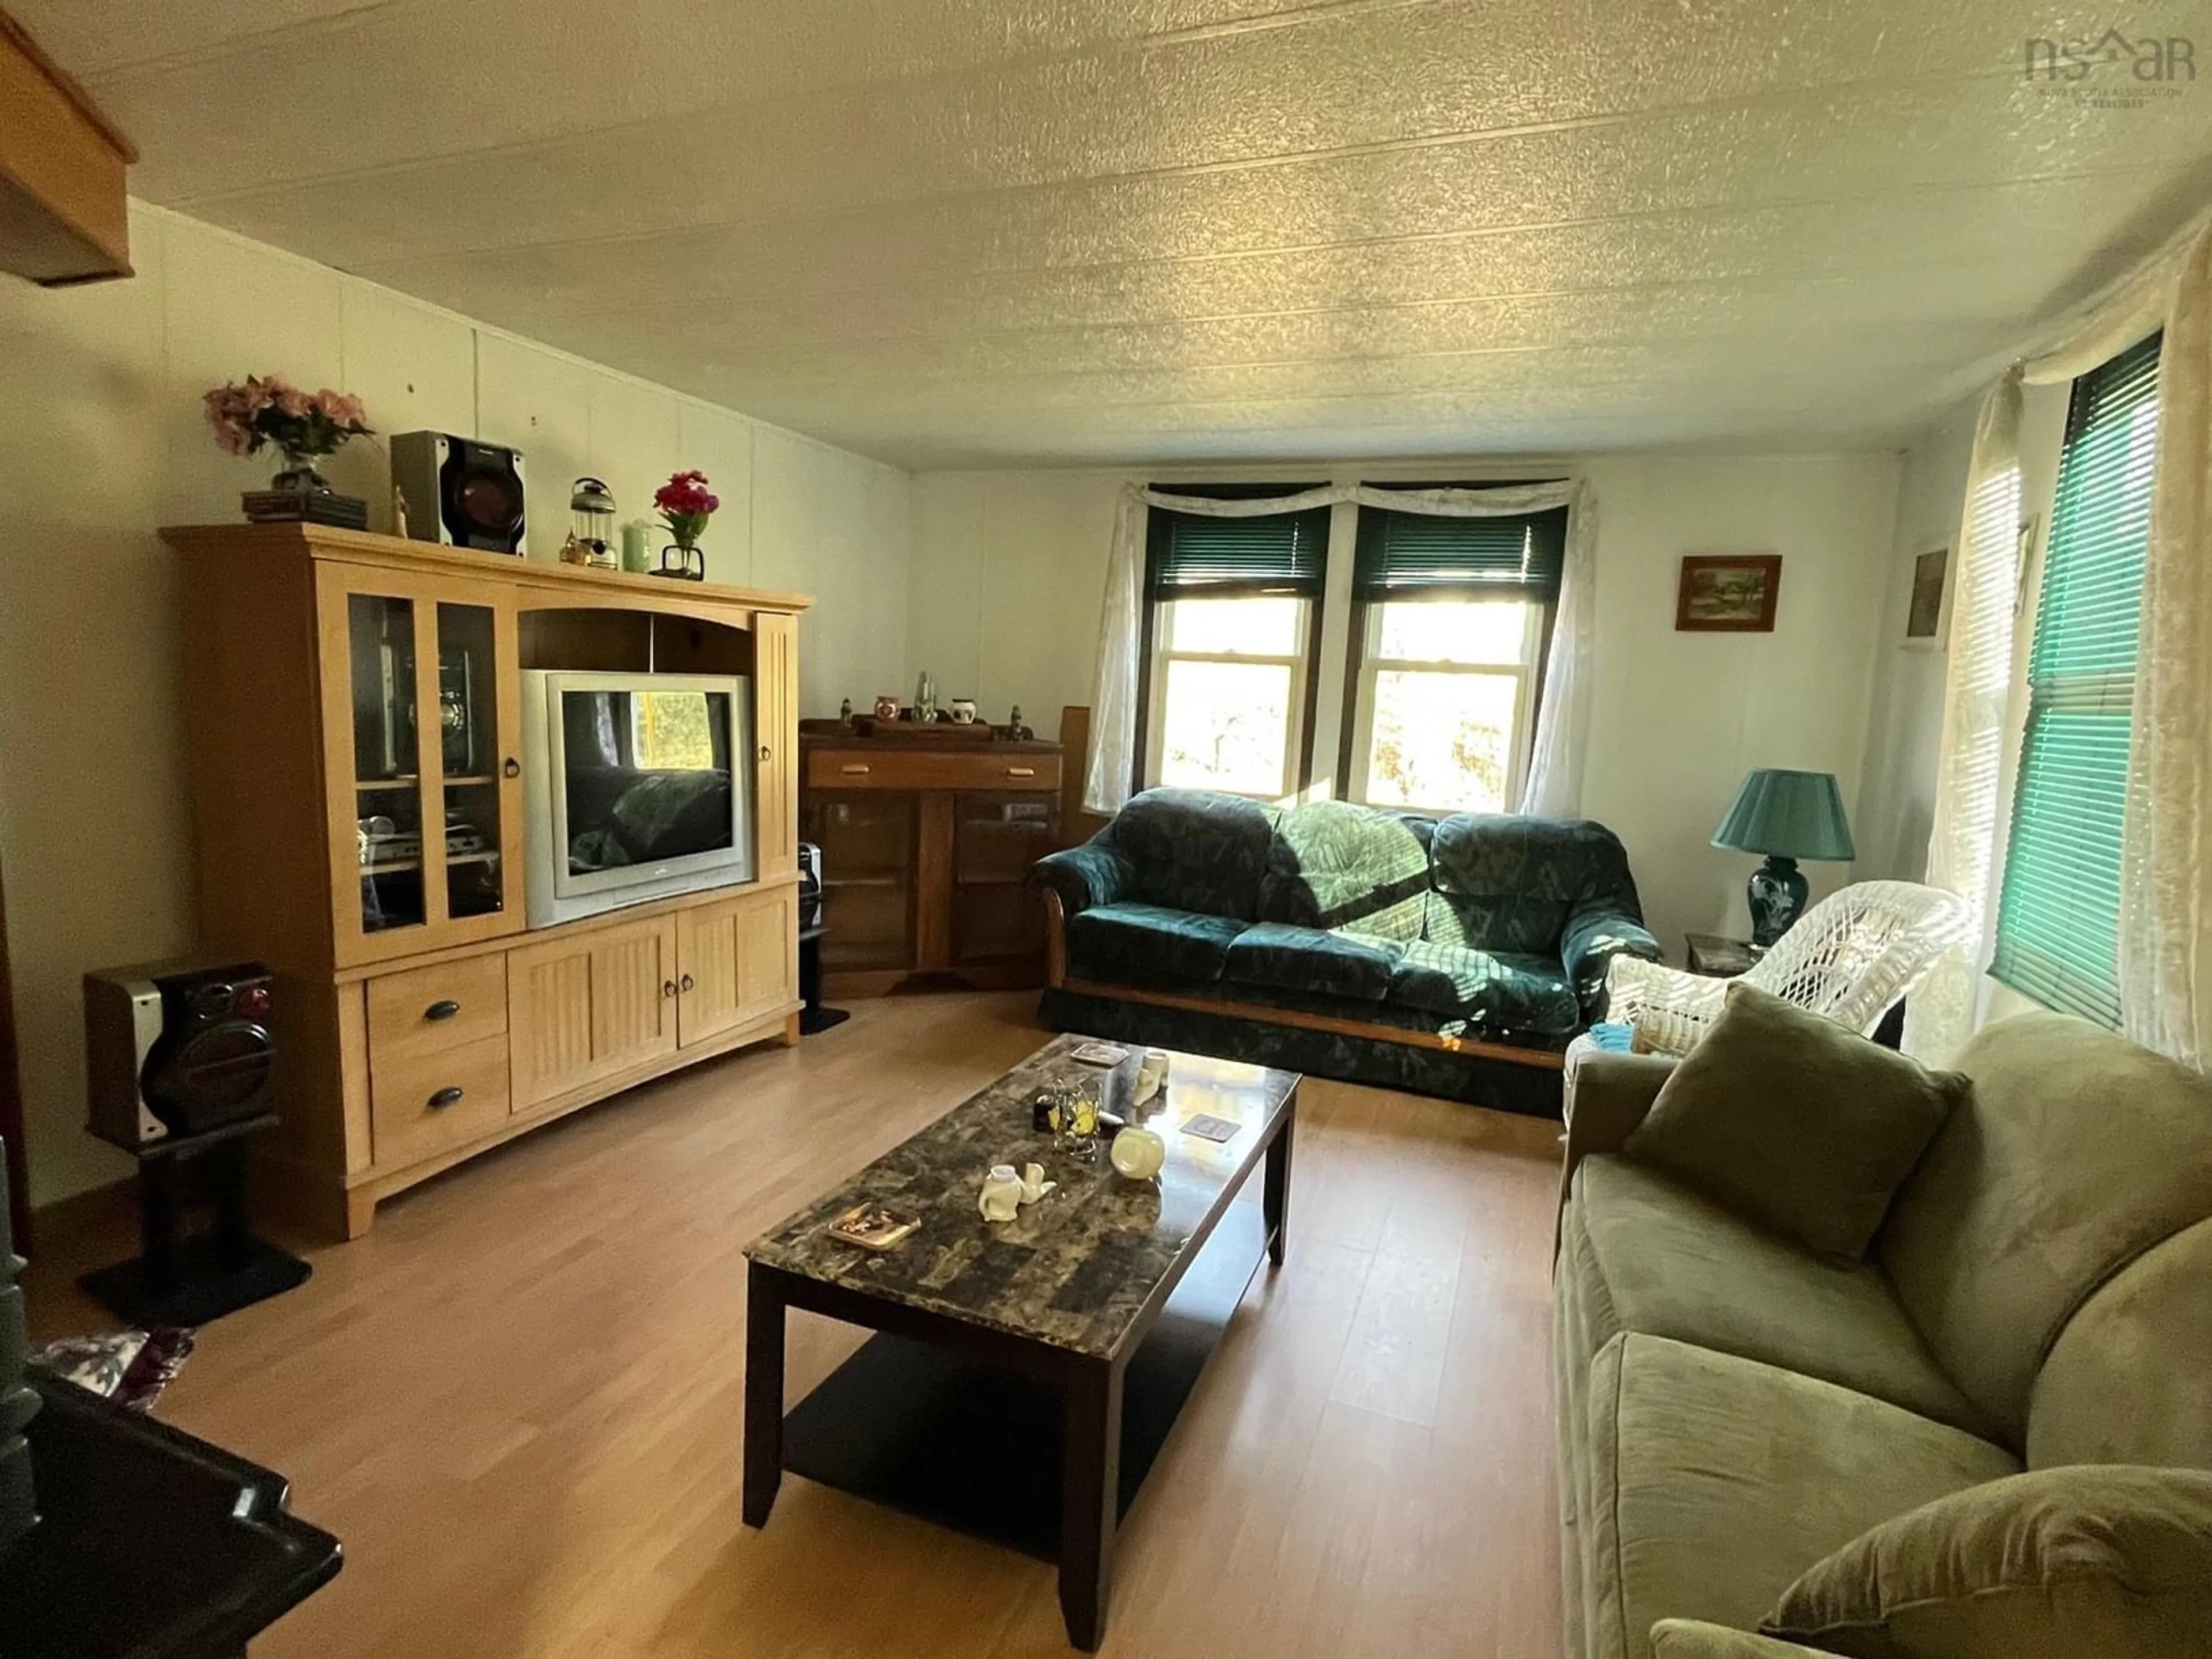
<point x="682" y="561"/>
<point x="300" y="477"/>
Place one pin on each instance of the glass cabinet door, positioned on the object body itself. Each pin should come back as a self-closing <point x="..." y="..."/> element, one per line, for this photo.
<point x="996" y="841"/>
<point x="428" y="835"/>
<point x="470" y="753"/>
<point x="867" y="842"/>
<point x="381" y="642"/>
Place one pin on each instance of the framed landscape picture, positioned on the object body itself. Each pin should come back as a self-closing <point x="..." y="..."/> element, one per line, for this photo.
<point x="1728" y="593"/>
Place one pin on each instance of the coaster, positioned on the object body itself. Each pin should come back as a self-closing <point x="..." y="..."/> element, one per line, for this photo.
<point x="872" y="1227"/>
<point x="1099" y="1053"/>
<point x="1207" y="1126"/>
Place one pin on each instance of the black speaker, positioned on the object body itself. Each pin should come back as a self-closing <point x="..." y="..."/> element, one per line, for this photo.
<point x="176" y="1048"/>
<point x="460" y="491"/>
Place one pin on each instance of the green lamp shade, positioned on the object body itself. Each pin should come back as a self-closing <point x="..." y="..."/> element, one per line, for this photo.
<point x="1791" y="815"/>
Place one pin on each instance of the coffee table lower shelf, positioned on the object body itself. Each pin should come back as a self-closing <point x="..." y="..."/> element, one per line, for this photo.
<point x="937" y="1433"/>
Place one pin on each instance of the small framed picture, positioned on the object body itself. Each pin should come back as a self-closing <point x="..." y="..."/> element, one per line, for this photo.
<point x="1923" y="610"/>
<point x="1728" y="593"/>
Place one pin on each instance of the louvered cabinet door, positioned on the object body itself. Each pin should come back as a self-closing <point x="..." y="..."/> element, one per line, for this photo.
<point x="737" y="963"/>
<point x="775" y="705"/>
<point x="706" y="999"/>
<point x="582" y="1009"/>
<point x="768" y="955"/>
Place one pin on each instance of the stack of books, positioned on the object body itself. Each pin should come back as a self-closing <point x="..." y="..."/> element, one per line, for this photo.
<point x="293" y="507"/>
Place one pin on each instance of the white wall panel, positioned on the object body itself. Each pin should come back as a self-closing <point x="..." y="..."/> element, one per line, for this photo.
<point x="635" y="442"/>
<point x="539" y="402"/>
<point x="720" y="445"/>
<point x="414" y="368"/>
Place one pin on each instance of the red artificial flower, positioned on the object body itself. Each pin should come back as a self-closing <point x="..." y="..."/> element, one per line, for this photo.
<point x="685" y="504"/>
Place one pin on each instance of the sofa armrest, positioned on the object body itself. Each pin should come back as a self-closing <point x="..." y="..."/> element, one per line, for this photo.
<point x="1612" y="1093"/>
<point x="1093" y="873"/>
<point x="1593" y="937"/>
<point x="1692" y="1638"/>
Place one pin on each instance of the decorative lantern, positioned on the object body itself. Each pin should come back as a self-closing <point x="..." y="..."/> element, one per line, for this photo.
<point x="592" y="526"/>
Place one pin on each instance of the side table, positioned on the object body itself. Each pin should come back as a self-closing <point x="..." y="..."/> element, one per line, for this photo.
<point x="1719" y="958"/>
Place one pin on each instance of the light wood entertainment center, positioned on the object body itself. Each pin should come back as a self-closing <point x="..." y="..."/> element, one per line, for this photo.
<point x="419" y="1019"/>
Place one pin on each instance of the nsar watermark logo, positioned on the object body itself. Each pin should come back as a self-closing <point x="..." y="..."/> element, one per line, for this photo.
<point x="2113" y="70"/>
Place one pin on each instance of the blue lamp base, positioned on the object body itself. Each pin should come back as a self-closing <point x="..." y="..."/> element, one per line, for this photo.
<point x="1777" y="898"/>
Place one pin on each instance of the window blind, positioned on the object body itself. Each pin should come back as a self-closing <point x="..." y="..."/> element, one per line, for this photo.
<point x="1412" y="555"/>
<point x="2058" y="915"/>
<point x="1189" y="556"/>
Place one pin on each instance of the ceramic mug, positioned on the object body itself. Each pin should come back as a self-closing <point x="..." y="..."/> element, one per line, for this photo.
<point x="963" y="711"/>
<point x="887" y="709"/>
<point x="1152" y="1077"/>
<point x="1001" y="1197"/>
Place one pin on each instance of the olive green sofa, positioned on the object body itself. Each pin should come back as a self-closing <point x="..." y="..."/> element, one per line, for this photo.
<point x="1731" y="1409"/>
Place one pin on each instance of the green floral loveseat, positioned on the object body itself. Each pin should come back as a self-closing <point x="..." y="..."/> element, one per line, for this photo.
<point x="1454" y="957"/>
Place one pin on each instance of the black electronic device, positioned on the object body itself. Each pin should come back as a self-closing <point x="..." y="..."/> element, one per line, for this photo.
<point x="462" y="492"/>
<point x="176" y="1048"/>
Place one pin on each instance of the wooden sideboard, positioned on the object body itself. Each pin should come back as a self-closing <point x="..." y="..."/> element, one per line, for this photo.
<point x="927" y="845"/>
<point x="333" y="678"/>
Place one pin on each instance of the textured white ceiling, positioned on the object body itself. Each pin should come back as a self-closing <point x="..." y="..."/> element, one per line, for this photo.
<point x="971" y="232"/>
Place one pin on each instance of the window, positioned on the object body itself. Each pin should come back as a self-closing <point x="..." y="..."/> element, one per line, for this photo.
<point x="1234" y="606"/>
<point x="2058" y="915"/>
<point x="1452" y="621"/>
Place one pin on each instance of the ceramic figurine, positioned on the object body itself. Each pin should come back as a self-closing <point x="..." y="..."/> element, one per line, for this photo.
<point x="845" y="715"/>
<point x="1151" y="1076"/>
<point x="1137" y="1153"/>
<point x="887" y="706"/>
<point x="1016" y="732"/>
<point x="1001" y="1197"/>
<point x="1034" y="1185"/>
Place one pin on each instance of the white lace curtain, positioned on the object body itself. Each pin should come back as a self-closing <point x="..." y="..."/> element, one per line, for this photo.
<point x="1554" y="785"/>
<point x="2163" y="916"/>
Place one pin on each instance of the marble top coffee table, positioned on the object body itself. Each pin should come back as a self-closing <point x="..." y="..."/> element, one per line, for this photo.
<point x="1026" y="1372"/>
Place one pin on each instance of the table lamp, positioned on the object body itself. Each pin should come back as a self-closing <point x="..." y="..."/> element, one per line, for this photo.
<point x="1788" y="816"/>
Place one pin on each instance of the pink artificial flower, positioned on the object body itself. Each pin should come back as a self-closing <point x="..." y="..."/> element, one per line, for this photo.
<point x="340" y="408"/>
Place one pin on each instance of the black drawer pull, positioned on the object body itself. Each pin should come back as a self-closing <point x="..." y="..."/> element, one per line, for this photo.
<point x="447" y="1097"/>
<point x="444" y="1008"/>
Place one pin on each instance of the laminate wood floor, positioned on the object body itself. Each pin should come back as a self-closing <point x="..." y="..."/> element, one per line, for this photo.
<point x="518" y="1400"/>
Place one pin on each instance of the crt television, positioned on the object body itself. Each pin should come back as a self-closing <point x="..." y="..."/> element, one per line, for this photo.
<point x="636" y="787"/>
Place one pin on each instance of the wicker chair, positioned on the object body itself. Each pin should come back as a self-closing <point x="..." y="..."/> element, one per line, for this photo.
<point x="1850" y="956"/>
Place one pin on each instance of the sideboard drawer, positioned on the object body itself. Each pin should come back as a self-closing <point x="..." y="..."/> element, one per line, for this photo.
<point x="862" y="768"/>
<point x="419" y="1106"/>
<point x="430" y="1010"/>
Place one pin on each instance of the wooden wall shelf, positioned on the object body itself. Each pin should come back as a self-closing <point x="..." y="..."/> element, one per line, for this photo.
<point x="64" y="207"/>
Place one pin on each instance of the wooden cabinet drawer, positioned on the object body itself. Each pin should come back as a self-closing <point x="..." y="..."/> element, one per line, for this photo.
<point x="430" y="1010"/>
<point x="420" y="1105"/>
<point x="853" y="768"/>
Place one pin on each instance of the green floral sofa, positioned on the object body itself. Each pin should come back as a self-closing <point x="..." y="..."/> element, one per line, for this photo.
<point x="1454" y="957"/>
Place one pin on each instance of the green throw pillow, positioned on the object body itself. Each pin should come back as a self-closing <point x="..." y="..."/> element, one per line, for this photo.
<point x="2060" y="1564"/>
<point x="1795" y="1122"/>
